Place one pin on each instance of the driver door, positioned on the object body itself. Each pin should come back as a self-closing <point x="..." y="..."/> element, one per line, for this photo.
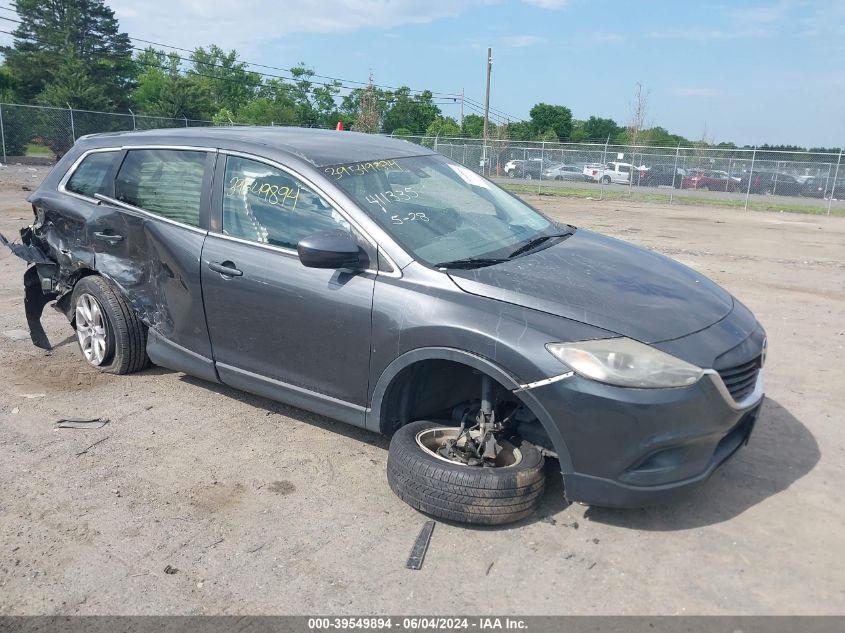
<point x="296" y="334"/>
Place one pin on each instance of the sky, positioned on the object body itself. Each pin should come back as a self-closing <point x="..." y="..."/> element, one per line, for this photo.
<point x="749" y="72"/>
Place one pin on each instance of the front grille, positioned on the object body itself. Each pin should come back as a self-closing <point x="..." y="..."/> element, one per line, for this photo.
<point x="740" y="380"/>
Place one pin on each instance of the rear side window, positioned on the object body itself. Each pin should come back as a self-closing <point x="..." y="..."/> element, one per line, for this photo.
<point x="163" y="181"/>
<point x="90" y="177"/>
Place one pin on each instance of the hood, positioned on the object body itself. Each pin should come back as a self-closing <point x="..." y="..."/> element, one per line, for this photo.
<point x="607" y="283"/>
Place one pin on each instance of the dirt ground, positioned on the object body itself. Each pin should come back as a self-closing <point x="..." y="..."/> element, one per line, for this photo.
<point x="266" y="509"/>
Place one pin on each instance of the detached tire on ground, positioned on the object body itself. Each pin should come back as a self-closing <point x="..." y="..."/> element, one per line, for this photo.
<point x="456" y="492"/>
<point x="111" y="337"/>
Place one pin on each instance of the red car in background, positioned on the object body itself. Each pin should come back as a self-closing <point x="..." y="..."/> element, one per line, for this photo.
<point x="713" y="180"/>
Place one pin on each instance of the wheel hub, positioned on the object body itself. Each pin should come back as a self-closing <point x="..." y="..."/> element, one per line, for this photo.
<point x="468" y="448"/>
<point x="91" y="329"/>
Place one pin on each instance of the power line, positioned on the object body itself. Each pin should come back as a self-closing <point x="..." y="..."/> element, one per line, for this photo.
<point x="278" y="68"/>
<point x="439" y="98"/>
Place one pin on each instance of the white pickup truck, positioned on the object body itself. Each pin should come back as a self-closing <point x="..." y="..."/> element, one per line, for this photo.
<point x="611" y="172"/>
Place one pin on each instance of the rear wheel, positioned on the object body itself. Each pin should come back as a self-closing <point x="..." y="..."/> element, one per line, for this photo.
<point x="110" y="335"/>
<point x="421" y="472"/>
<point x="606" y="180"/>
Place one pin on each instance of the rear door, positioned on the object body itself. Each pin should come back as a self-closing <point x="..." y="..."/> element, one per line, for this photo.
<point x="297" y="334"/>
<point x="144" y="215"/>
<point x="151" y="244"/>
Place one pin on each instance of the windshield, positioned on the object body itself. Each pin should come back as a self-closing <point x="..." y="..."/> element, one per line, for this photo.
<point x="441" y="211"/>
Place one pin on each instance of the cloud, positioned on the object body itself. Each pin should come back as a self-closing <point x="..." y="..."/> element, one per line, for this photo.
<point x="547" y="4"/>
<point x="250" y="23"/>
<point x="696" y="92"/>
<point x="604" y="37"/>
<point x="520" y="41"/>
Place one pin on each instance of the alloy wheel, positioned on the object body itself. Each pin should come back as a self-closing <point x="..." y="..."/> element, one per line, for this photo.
<point x="91" y="329"/>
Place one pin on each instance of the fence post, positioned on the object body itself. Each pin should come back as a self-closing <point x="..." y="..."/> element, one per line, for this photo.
<point x="601" y="172"/>
<point x="134" y="127"/>
<point x="835" y="176"/>
<point x="186" y="120"/>
<point x="675" y="174"/>
<point x="464" y="162"/>
<point x="750" y="176"/>
<point x="72" y="128"/>
<point x="3" y="134"/>
<point x="542" y="161"/>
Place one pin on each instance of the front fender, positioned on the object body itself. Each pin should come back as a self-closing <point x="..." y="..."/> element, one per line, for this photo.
<point x="374" y="421"/>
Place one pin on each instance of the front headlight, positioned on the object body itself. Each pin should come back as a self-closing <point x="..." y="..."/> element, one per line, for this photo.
<point x="626" y="363"/>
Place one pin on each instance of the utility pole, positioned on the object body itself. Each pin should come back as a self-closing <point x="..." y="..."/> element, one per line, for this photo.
<point x="487" y="107"/>
<point x="462" y="108"/>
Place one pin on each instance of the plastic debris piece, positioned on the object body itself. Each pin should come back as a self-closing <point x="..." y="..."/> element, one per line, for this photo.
<point x="81" y="423"/>
<point x="415" y="560"/>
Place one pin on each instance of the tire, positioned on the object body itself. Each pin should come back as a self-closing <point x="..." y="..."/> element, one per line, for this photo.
<point x="606" y="180"/>
<point x="125" y="336"/>
<point x="529" y="177"/>
<point x="465" y="494"/>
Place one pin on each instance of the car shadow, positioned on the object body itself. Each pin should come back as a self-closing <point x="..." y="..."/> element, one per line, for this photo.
<point x="780" y="452"/>
<point x="300" y="415"/>
<point x="552" y="503"/>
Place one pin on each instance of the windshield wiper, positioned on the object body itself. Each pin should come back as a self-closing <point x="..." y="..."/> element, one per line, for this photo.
<point x="480" y="262"/>
<point x="533" y="243"/>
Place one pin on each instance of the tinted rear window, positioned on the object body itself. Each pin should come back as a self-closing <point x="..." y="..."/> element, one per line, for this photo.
<point x="90" y="177"/>
<point x="163" y="181"/>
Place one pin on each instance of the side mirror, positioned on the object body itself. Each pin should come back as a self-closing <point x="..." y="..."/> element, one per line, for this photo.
<point x="330" y="249"/>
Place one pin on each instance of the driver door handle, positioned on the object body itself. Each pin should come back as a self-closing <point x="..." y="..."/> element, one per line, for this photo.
<point x="226" y="268"/>
<point x="111" y="238"/>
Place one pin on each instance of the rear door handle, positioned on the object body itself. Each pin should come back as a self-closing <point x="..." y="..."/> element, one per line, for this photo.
<point x="111" y="238"/>
<point x="226" y="268"/>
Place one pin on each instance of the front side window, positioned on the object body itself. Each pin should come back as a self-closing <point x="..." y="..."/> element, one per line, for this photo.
<point x="438" y="210"/>
<point x="92" y="173"/>
<point x="166" y="182"/>
<point x="267" y="205"/>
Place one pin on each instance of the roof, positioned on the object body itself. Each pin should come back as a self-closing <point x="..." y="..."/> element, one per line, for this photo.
<point x="319" y="147"/>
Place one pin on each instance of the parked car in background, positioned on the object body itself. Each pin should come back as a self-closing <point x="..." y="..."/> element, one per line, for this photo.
<point x="823" y="187"/>
<point x="303" y="265"/>
<point x="709" y="180"/>
<point x="564" y="172"/>
<point x="530" y="169"/>
<point x="613" y="171"/>
<point x="771" y="183"/>
<point x="660" y="174"/>
<point x="511" y="166"/>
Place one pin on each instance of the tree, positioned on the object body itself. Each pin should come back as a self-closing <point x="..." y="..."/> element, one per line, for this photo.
<point x="162" y="89"/>
<point x="473" y="126"/>
<point x="223" y="78"/>
<point x="445" y="127"/>
<point x="545" y="117"/>
<point x="520" y="131"/>
<point x="638" y="111"/>
<point x="314" y="102"/>
<point x="368" y="117"/>
<point x="599" y="129"/>
<point x="78" y="36"/>
<point x="414" y="113"/>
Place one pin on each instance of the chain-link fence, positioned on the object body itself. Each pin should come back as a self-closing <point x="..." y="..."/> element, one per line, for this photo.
<point x="754" y="178"/>
<point x="26" y="129"/>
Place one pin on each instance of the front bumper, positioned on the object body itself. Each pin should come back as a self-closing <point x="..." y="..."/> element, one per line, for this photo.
<point x="639" y="447"/>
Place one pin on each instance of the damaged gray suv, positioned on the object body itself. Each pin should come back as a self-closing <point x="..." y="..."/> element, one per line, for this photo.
<point x="374" y="281"/>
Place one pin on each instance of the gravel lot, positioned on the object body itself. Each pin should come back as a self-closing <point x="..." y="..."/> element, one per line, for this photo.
<point x="266" y="509"/>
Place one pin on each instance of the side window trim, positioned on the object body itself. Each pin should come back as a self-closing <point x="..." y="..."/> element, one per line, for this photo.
<point x="204" y="194"/>
<point x="206" y="210"/>
<point x="116" y="163"/>
<point x="217" y="212"/>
